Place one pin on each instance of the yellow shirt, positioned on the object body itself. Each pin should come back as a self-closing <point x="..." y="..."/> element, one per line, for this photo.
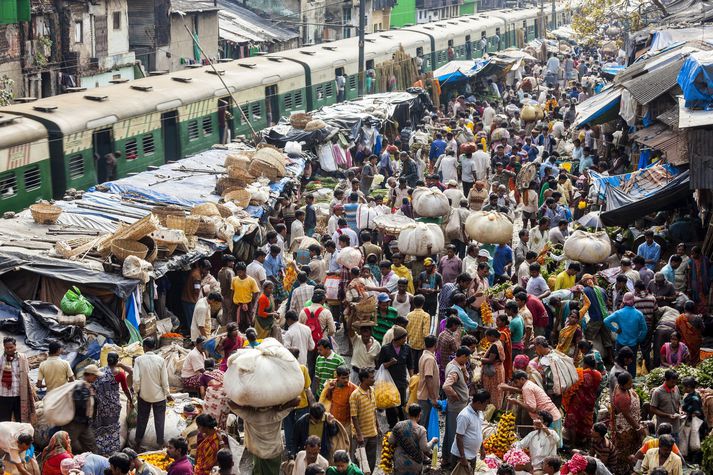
<point x="404" y="273"/>
<point x="308" y="382"/>
<point x="243" y="289"/>
<point x="362" y="405"/>
<point x="673" y="464"/>
<point x="565" y="281"/>
<point x="55" y="372"/>
<point x="419" y="326"/>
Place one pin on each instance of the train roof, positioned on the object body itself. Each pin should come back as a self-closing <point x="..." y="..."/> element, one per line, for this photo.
<point x="15" y="130"/>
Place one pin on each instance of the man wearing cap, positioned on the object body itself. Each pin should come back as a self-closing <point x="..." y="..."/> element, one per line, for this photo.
<point x="630" y="326"/>
<point x="429" y="285"/>
<point x="386" y="316"/>
<point x="453" y="194"/>
<point x="80" y="429"/>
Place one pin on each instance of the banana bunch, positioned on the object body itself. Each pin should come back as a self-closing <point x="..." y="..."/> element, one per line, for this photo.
<point x="484" y="345"/>
<point x="486" y="313"/>
<point x="386" y="462"/>
<point x="387" y="395"/>
<point x="503" y="438"/>
<point x="290" y="276"/>
<point x="159" y="460"/>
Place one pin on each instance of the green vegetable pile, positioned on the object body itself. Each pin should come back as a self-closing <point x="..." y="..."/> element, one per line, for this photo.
<point x="656" y="377"/>
<point x="705" y="373"/>
<point x="707" y="449"/>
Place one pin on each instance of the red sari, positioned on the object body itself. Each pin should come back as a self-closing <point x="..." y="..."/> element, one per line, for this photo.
<point x="580" y="405"/>
<point x="207" y="453"/>
<point x="691" y="336"/>
<point x="506" y="340"/>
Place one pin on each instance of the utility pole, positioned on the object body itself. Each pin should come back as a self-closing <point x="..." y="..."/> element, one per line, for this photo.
<point x="362" y="27"/>
<point x="554" y="15"/>
<point x="543" y="22"/>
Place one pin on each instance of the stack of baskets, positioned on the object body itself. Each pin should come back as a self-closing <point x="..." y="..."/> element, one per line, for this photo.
<point x="162" y="211"/>
<point x="299" y="120"/>
<point x="206" y="209"/>
<point x="123" y="248"/>
<point x="269" y="163"/>
<point x="239" y="197"/>
<point x="187" y="224"/>
<point x="240" y="175"/>
<point x="45" y="213"/>
<point x="152" y="247"/>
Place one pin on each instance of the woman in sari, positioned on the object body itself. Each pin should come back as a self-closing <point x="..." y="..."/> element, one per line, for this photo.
<point x="626" y="430"/>
<point x="570" y="336"/>
<point x="108" y="406"/>
<point x="230" y="344"/>
<point x="690" y="326"/>
<point x="215" y="400"/>
<point x="580" y="404"/>
<point x="506" y="339"/>
<point x="493" y="373"/>
<point x="266" y="311"/>
<point x="58" y="449"/>
<point x="674" y="352"/>
<point x="412" y="451"/>
<point x="208" y="444"/>
<point x="699" y="279"/>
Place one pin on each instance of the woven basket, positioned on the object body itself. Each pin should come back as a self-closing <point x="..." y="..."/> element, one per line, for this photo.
<point x="45" y="213"/>
<point x="187" y="224"/>
<point x="299" y="120"/>
<point x="207" y="227"/>
<point x="224" y="210"/>
<point x="123" y="248"/>
<point x="205" y="209"/>
<point x="226" y="184"/>
<point x="269" y="163"/>
<point x="316" y="124"/>
<point x="162" y="211"/>
<point x="239" y="159"/>
<point x="150" y="243"/>
<point x="239" y="197"/>
<point x="236" y="172"/>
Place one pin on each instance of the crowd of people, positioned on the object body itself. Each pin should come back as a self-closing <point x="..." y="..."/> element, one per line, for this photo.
<point x="476" y="329"/>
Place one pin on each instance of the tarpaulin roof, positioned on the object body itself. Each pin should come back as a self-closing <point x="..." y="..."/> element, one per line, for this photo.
<point x="664" y="38"/>
<point x="458" y="70"/>
<point x="647" y="87"/>
<point x="660" y="137"/>
<point x="668" y="195"/>
<point x="688" y="11"/>
<point x="688" y="118"/>
<point x="696" y="80"/>
<point x="599" y="108"/>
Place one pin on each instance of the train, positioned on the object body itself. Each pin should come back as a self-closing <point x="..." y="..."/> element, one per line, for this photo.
<point x="50" y="145"/>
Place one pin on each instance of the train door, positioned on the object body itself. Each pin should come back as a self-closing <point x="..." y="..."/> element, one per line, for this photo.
<point x="225" y="119"/>
<point x="468" y="48"/>
<point x="102" y="147"/>
<point x="171" y="142"/>
<point x="272" y="105"/>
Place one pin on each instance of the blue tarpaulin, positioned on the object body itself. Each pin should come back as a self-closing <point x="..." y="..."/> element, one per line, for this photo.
<point x="599" y="106"/>
<point x="455" y="71"/>
<point x="696" y="80"/>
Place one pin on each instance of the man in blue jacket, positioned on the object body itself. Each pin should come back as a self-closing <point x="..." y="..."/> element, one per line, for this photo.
<point x="630" y="327"/>
<point x="438" y="148"/>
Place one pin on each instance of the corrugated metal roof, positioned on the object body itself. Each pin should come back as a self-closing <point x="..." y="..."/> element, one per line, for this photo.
<point x="701" y="158"/>
<point x="660" y="137"/>
<point x="648" y="87"/>
<point x="654" y="62"/>
<point x="670" y="117"/>
<point x="240" y="24"/>
<point x="191" y="6"/>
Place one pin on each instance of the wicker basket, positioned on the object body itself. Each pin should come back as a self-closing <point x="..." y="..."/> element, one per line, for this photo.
<point x="150" y="243"/>
<point x="205" y="209"/>
<point x="226" y="184"/>
<point x="316" y="124"/>
<point x="207" y="227"/>
<point x="269" y="163"/>
<point x="240" y="159"/>
<point x="123" y="248"/>
<point x="162" y="211"/>
<point x="236" y="172"/>
<point x="45" y="213"/>
<point x="187" y="224"/>
<point x="299" y="120"/>
<point x="133" y="232"/>
<point x="224" y="210"/>
<point x="239" y="197"/>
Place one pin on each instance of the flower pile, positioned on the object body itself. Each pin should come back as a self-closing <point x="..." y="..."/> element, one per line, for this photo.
<point x="501" y="441"/>
<point x="387" y="395"/>
<point x="159" y="460"/>
<point x="484" y="345"/>
<point x="577" y="464"/>
<point x="486" y="313"/>
<point x="492" y="462"/>
<point x="516" y="457"/>
<point x="386" y="463"/>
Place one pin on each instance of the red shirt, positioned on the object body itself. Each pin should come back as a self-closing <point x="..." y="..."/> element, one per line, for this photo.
<point x="538" y="311"/>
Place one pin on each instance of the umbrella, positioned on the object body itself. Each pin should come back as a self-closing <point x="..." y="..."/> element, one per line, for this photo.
<point x="591" y="220"/>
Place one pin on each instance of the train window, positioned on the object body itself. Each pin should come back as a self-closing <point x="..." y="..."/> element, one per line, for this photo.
<point x="33" y="179"/>
<point x="8" y="185"/>
<point x="131" y="150"/>
<point x="256" y="111"/>
<point x="298" y="98"/>
<point x="329" y="89"/>
<point x="245" y="115"/>
<point x="193" y="130"/>
<point x="207" y="125"/>
<point x="288" y="101"/>
<point x="352" y="82"/>
<point x="148" y="145"/>
<point x="320" y="93"/>
<point x="524" y="25"/>
<point x="76" y="166"/>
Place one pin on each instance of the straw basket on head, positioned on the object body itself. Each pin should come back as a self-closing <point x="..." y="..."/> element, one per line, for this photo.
<point x="205" y="209"/>
<point x="45" y="213"/>
<point x="123" y="248"/>
<point x="187" y="224"/>
<point x="239" y="197"/>
<point x="162" y="211"/>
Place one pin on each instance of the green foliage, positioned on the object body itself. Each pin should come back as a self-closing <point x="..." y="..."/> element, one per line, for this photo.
<point x="6" y="94"/>
<point x="707" y="449"/>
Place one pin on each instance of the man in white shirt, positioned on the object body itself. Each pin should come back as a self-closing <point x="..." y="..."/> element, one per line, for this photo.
<point x="201" y="324"/>
<point x="298" y="336"/>
<point x="344" y="229"/>
<point x="193" y="366"/>
<point x="256" y="270"/>
<point x="448" y="166"/>
<point x="537" y="285"/>
<point x="488" y="116"/>
<point x="297" y="228"/>
<point x="453" y="193"/>
<point x="332" y="224"/>
<point x="481" y="165"/>
<point x="469" y="431"/>
<point x="539" y="235"/>
<point x="365" y="350"/>
<point x="523" y="271"/>
<point x="541" y="442"/>
<point x="151" y="387"/>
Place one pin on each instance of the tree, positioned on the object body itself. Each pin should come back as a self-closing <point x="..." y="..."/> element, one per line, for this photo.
<point x="6" y="94"/>
<point x="593" y="15"/>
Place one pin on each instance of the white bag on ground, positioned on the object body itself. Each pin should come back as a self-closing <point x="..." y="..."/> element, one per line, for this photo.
<point x="264" y="376"/>
<point x="489" y="227"/>
<point x="58" y="404"/>
<point x="421" y="239"/>
<point x="174" y="355"/>
<point x="9" y="432"/>
<point x="173" y="426"/>
<point x="430" y="202"/>
<point x="590" y="248"/>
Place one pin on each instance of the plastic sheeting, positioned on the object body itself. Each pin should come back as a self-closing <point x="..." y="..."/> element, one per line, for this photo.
<point x="696" y="80"/>
<point x="455" y="71"/>
<point x="594" y="109"/>
<point x="666" y="38"/>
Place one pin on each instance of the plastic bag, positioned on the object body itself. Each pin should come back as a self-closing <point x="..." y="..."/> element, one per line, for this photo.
<point x="74" y="303"/>
<point x="461" y="469"/>
<point x="59" y="405"/>
<point x="433" y="429"/>
<point x="385" y="391"/>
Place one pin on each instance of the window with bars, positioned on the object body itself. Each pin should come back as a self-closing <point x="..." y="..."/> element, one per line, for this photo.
<point x="8" y="185"/>
<point x="352" y="82"/>
<point x="256" y="111"/>
<point x="193" y="130"/>
<point x="148" y="144"/>
<point x="245" y="115"/>
<point x="207" y="126"/>
<point x="131" y="150"/>
<point x="298" y="98"/>
<point x="76" y="166"/>
<point x="329" y="89"/>
<point x="289" y="101"/>
<point x="33" y="179"/>
<point x="320" y="93"/>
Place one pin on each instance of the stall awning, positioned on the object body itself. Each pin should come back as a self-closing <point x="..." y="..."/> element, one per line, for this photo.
<point x="688" y="118"/>
<point x="458" y="70"/>
<point x="600" y="108"/>
<point x="648" y="87"/>
<point x="661" y="137"/>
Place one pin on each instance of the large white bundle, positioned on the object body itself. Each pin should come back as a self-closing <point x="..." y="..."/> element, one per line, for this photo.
<point x="421" y="239"/>
<point x="349" y="257"/>
<point x="173" y="427"/>
<point x="59" y="405"/>
<point x="174" y="355"/>
<point x="430" y="202"/>
<point x="528" y="114"/>
<point x="9" y="432"/>
<point x="365" y="216"/>
<point x="489" y="227"/>
<point x="590" y="248"/>
<point x="265" y="376"/>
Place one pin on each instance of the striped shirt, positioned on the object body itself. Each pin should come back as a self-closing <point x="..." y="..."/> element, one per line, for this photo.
<point x="384" y="321"/>
<point x="362" y="405"/>
<point x="325" y="368"/>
